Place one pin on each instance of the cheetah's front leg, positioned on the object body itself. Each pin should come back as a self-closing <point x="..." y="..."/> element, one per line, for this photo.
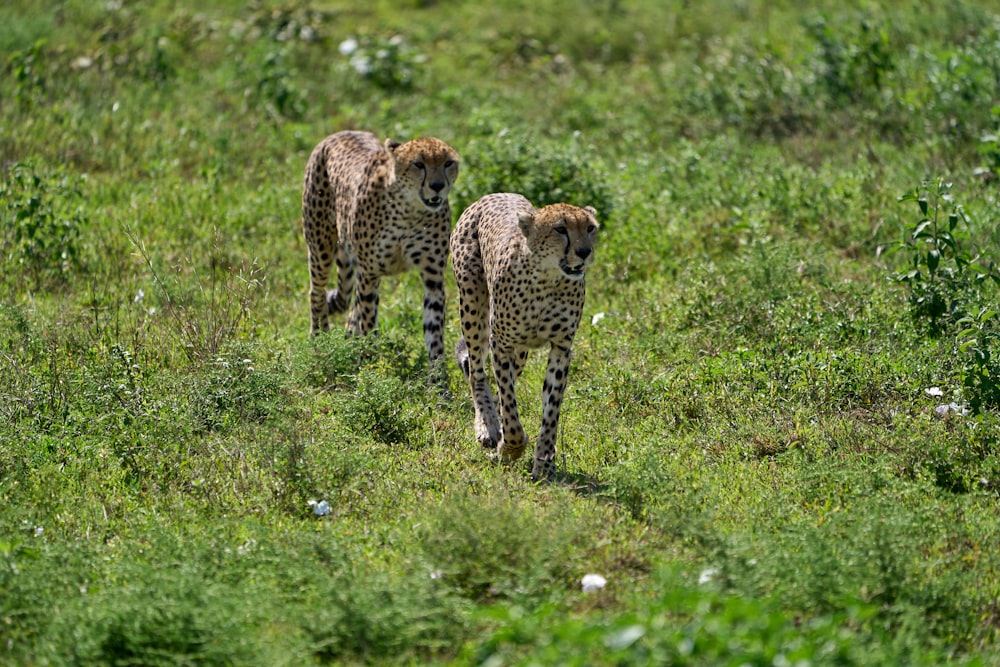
<point x="553" y="388"/>
<point x="505" y="368"/>
<point x="471" y="352"/>
<point x="434" y="305"/>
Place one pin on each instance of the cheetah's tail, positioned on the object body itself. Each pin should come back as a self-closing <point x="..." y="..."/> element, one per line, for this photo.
<point x="335" y="302"/>
<point x="462" y="356"/>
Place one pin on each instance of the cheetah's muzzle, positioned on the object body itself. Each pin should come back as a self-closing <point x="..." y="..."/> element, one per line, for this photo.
<point x="574" y="272"/>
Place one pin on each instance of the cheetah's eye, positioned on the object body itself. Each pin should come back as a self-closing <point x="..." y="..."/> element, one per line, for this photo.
<point x="560" y="230"/>
<point x="591" y="228"/>
<point x="448" y="164"/>
<point x="419" y="165"/>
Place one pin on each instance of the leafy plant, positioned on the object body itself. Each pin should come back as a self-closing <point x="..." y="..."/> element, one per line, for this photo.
<point x="29" y="69"/>
<point x="944" y="271"/>
<point x="852" y="67"/>
<point x="389" y="63"/>
<point x="687" y="625"/>
<point x="276" y="87"/>
<point x="378" y="407"/>
<point x="235" y="391"/>
<point x="203" y="326"/>
<point x="40" y="239"/>
<point x="989" y="148"/>
<point x="499" y="549"/>
<point x="979" y="345"/>
<point x="545" y="171"/>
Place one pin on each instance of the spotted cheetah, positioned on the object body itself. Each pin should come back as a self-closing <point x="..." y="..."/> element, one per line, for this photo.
<point x="520" y="275"/>
<point x="378" y="210"/>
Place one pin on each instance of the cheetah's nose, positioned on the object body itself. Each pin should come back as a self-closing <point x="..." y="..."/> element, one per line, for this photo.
<point x="437" y="186"/>
<point x="583" y="253"/>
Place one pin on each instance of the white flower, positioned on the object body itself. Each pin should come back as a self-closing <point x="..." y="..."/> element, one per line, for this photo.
<point x="39" y="531"/>
<point x="707" y="575"/>
<point x="596" y="318"/>
<point x="348" y="46"/>
<point x="951" y="407"/>
<point x="934" y="391"/>
<point x="320" y="508"/>
<point x="362" y="65"/>
<point x="138" y="296"/>
<point x="625" y="637"/>
<point x="592" y="583"/>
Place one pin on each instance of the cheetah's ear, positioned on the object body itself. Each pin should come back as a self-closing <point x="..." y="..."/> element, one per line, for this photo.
<point x="526" y="221"/>
<point x="392" y="144"/>
<point x="591" y="210"/>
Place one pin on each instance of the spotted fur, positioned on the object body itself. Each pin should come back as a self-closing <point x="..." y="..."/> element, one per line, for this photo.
<point x="520" y="275"/>
<point x="377" y="210"/>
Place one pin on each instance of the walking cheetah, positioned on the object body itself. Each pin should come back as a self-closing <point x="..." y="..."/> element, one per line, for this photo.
<point x="520" y="275"/>
<point x="378" y="210"/>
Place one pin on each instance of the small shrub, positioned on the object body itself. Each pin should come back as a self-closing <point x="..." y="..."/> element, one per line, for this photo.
<point x="948" y="280"/>
<point x="332" y="360"/>
<point x="232" y="390"/>
<point x="40" y="238"/>
<point x="282" y="23"/>
<point x="381" y="407"/>
<point x="851" y="67"/>
<point x="489" y="549"/>
<point x="989" y="148"/>
<point x="545" y="171"/>
<point x="204" y="318"/>
<point x="880" y="554"/>
<point x="389" y="63"/>
<point x="24" y="599"/>
<point x="945" y="271"/>
<point x="371" y="615"/>
<point x="275" y="88"/>
<point x="684" y="624"/>
<point x="962" y="86"/>
<point x="29" y="69"/>
<point x="979" y="347"/>
<point x="153" y="616"/>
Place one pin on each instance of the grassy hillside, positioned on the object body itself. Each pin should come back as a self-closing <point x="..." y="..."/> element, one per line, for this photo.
<point x="779" y="443"/>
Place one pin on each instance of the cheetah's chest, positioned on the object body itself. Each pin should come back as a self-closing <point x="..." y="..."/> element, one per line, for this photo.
<point x="531" y="315"/>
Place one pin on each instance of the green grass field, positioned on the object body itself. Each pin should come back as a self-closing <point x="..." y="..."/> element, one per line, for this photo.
<point x="779" y="444"/>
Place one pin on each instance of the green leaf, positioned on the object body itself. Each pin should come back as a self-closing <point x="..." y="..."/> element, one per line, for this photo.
<point x="933" y="258"/>
<point x="921" y="226"/>
<point x="922" y="202"/>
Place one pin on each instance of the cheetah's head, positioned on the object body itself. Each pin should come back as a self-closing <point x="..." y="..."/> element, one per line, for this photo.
<point x="562" y="236"/>
<point x="426" y="168"/>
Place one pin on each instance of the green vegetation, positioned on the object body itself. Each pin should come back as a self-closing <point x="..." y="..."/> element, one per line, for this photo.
<point x="780" y="440"/>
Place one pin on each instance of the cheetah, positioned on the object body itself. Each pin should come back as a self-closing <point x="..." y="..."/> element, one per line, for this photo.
<point x="378" y="209"/>
<point x="520" y="275"/>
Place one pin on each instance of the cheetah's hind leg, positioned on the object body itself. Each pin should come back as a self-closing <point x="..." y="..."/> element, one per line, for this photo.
<point x="487" y="426"/>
